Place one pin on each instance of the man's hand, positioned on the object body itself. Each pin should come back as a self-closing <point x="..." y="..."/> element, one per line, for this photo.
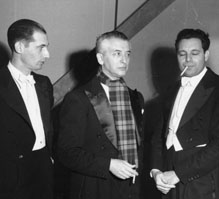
<point x="122" y="169"/>
<point x="171" y="177"/>
<point x="161" y="182"/>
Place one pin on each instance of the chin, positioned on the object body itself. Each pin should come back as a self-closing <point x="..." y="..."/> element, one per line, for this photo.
<point x="122" y="74"/>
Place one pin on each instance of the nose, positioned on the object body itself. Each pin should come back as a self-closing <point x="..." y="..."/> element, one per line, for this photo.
<point x="124" y="59"/>
<point x="46" y="53"/>
<point x="188" y="58"/>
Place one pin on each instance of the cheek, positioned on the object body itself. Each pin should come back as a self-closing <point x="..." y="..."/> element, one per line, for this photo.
<point x="30" y="55"/>
<point x="110" y="64"/>
<point x="181" y="61"/>
<point x="200" y="62"/>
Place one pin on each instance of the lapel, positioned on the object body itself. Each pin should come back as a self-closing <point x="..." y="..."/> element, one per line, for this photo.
<point x="10" y="93"/>
<point x="101" y="105"/>
<point x="137" y="105"/>
<point x="199" y="97"/>
<point x="44" y="101"/>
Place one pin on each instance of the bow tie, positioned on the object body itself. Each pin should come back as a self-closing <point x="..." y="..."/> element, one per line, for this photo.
<point x="27" y="79"/>
<point x="186" y="81"/>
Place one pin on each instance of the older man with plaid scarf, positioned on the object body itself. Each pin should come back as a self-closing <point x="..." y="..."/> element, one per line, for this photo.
<point x="101" y="128"/>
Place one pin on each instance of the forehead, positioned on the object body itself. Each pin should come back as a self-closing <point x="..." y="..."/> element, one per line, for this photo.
<point x="114" y="44"/>
<point x="190" y="44"/>
<point x="40" y="38"/>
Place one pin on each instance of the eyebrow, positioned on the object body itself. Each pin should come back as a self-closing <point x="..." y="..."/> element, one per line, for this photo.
<point x="179" y="51"/>
<point x="117" y="50"/>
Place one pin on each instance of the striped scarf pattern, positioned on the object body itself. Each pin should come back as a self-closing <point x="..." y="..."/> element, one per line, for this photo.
<point x="123" y="117"/>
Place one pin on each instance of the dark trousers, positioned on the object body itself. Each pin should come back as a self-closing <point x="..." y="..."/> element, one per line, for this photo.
<point x="35" y="176"/>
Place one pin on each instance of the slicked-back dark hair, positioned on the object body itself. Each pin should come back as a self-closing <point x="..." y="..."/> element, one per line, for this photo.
<point x="23" y="29"/>
<point x="109" y="35"/>
<point x="193" y="33"/>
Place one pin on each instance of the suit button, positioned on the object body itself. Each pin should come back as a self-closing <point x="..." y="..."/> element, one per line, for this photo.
<point x="20" y="156"/>
<point x="102" y="147"/>
<point x="98" y="136"/>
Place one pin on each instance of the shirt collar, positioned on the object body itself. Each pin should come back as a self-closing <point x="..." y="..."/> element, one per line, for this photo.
<point x="18" y="75"/>
<point x="193" y="81"/>
<point x="14" y="71"/>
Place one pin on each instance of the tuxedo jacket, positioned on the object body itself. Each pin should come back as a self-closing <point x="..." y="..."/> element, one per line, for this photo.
<point x="17" y="136"/>
<point x="198" y="133"/>
<point x="86" y="142"/>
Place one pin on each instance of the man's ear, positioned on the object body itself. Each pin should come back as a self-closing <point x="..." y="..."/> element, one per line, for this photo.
<point x="19" y="46"/>
<point x="207" y="53"/>
<point x="100" y="58"/>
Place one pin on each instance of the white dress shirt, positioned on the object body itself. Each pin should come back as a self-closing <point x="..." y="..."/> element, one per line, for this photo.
<point x="106" y="89"/>
<point x="25" y="84"/>
<point x="188" y="85"/>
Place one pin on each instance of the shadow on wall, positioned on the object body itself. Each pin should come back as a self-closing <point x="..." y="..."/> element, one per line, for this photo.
<point x="165" y="72"/>
<point x="4" y="55"/>
<point x="83" y="65"/>
<point x="164" y="67"/>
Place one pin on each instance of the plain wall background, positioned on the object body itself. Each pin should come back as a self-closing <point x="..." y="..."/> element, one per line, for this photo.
<point x="73" y="25"/>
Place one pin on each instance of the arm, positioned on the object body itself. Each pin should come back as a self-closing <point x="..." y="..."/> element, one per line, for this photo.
<point x="154" y="129"/>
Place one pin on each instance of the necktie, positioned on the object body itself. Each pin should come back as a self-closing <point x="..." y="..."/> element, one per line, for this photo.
<point x="28" y="83"/>
<point x="185" y="81"/>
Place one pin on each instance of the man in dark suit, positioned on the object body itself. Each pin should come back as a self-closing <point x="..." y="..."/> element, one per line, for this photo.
<point x="185" y="157"/>
<point x="101" y="128"/>
<point x="25" y="102"/>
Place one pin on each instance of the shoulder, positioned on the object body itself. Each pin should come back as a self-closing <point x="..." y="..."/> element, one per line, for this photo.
<point x="43" y="81"/>
<point x="75" y="95"/>
<point x="44" y="84"/>
<point x="41" y="78"/>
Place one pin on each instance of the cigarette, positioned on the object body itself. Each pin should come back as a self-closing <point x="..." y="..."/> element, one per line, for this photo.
<point x="184" y="71"/>
<point x="133" y="180"/>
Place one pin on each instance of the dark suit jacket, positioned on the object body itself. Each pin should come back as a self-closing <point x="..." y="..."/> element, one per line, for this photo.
<point x="16" y="135"/>
<point x="196" y="165"/>
<point x="87" y="142"/>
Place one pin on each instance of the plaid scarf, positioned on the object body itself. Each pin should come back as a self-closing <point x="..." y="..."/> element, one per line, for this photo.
<point x="123" y="117"/>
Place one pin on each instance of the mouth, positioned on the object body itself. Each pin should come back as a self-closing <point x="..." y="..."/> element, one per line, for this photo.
<point x="123" y="68"/>
<point x="41" y="62"/>
<point x="184" y="70"/>
<point x="188" y="64"/>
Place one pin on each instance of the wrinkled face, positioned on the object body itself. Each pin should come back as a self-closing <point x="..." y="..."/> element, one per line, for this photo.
<point x="35" y="53"/>
<point x="114" y="57"/>
<point x="190" y="53"/>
